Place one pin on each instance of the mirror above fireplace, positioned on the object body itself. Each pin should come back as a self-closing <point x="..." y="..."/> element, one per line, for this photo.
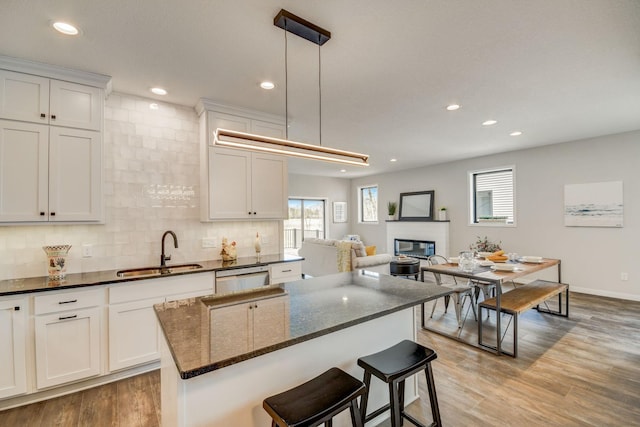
<point x="416" y="206"/>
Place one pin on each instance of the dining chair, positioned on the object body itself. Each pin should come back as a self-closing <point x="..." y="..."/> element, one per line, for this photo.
<point x="460" y="292"/>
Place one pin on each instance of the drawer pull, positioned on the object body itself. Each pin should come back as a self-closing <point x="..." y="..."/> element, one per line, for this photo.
<point x="68" y="302"/>
<point x="53" y="116"/>
<point x="68" y="317"/>
<point x="43" y="115"/>
<point x="287" y="271"/>
<point x="16" y="308"/>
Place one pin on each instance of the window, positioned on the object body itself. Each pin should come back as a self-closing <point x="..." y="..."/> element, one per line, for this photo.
<point x="306" y="219"/>
<point x="368" y="203"/>
<point x="492" y="196"/>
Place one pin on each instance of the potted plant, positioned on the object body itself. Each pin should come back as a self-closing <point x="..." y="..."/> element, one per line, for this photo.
<point x="391" y="209"/>
<point x="442" y="214"/>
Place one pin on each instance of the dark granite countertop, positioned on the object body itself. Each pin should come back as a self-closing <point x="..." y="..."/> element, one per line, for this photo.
<point x="77" y="280"/>
<point x="316" y="307"/>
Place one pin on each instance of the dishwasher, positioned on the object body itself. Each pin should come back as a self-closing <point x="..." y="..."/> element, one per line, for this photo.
<point x="239" y="279"/>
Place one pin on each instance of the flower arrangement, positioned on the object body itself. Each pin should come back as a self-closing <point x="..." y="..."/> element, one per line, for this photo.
<point x="483" y="244"/>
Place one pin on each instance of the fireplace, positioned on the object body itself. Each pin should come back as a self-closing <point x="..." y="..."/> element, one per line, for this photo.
<point x="422" y="249"/>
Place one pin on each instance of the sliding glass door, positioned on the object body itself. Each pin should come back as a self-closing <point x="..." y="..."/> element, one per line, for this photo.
<point x="306" y="219"/>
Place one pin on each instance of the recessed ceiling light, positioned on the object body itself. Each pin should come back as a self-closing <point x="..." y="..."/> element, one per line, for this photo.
<point x="154" y="106"/>
<point x="158" y="91"/>
<point x="393" y="160"/>
<point x="489" y="123"/>
<point x="65" y="28"/>
<point x="516" y="133"/>
<point x="267" y="85"/>
<point x="453" y="107"/>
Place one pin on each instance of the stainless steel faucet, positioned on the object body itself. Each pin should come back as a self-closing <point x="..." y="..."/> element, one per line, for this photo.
<point x="163" y="257"/>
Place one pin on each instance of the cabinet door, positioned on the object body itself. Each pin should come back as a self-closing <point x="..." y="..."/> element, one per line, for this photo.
<point x="24" y="171"/>
<point x="75" y="175"/>
<point x="13" y="374"/>
<point x="229" y="185"/>
<point x="75" y="105"/>
<point x="67" y="346"/>
<point x="231" y="331"/>
<point x="269" y="181"/>
<point x="134" y="335"/>
<point x="272" y="130"/>
<point x="24" y="97"/>
<point x="270" y="321"/>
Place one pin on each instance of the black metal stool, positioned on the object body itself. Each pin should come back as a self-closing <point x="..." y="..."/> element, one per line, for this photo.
<point x="393" y="366"/>
<point x="317" y="401"/>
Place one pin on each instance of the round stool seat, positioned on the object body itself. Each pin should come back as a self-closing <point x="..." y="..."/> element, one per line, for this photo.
<point x="316" y="401"/>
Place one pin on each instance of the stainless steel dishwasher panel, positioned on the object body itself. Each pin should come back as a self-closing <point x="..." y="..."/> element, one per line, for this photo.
<point x="239" y="279"/>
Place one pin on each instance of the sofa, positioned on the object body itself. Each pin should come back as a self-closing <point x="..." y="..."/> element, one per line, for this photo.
<point x="328" y="256"/>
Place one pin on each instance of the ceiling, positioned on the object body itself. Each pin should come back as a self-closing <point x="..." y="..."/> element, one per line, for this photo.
<point x="556" y="70"/>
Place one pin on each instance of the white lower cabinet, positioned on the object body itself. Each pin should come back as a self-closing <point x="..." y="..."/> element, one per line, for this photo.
<point x="134" y="333"/>
<point x="13" y="330"/>
<point x="284" y="272"/>
<point x="67" y="346"/>
<point x="239" y="328"/>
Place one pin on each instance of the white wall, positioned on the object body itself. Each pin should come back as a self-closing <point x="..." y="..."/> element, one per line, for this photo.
<point x="592" y="258"/>
<point x="330" y="189"/>
<point x="146" y="151"/>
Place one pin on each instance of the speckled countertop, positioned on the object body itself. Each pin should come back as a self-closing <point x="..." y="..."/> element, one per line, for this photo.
<point x="316" y="307"/>
<point x="76" y="280"/>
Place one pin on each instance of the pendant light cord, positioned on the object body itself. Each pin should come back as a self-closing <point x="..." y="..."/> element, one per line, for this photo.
<point x="319" y="90"/>
<point x="286" y="84"/>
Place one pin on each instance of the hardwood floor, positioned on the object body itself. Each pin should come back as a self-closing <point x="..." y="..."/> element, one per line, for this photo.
<point x="581" y="371"/>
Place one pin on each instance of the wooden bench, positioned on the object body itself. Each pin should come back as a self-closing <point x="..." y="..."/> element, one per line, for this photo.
<point x="523" y="298"/>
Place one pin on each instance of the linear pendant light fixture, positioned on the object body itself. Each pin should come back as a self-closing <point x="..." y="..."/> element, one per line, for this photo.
<point x="242" y="140"/>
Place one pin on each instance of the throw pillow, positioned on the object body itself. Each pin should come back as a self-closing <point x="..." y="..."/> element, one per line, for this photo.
<point x="371" y="250"/>
<point x="360" y="249"/>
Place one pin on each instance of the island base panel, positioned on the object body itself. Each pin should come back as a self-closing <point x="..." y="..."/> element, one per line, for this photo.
<point x="233" y="395"/>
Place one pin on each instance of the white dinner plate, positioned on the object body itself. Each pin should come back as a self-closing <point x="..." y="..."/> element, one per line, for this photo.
<point x="504" y="267"/>
<point x="532" y="259"/>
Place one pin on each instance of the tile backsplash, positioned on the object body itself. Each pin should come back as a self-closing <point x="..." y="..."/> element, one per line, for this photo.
<point x="151" y="184"/>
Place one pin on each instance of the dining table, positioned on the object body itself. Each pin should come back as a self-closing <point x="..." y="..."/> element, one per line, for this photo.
<point x="488" y="274"/>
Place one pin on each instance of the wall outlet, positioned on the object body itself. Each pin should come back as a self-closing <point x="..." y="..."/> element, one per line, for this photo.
<point x="208" y="242"/>
<point x="87" y="250"/>
<point x="624" y="276"/>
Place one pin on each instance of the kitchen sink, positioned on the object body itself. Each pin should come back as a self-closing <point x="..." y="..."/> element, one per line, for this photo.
<point x="157" y="271"/>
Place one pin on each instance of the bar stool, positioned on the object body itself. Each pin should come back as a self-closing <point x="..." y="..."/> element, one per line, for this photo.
<point x="393" y="366"/>
<point x="317" y="401"/>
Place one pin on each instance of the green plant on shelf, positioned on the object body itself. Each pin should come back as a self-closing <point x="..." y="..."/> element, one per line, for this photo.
<point x="391" y="208"/>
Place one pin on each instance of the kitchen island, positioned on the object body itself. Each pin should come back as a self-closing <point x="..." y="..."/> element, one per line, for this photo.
<point x="211" y="377"/>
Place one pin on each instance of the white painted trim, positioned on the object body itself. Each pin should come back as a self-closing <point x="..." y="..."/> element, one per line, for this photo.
<point x="56" y="72"/>
<point x="209" y="105"/>
<point x="598" y="292"/>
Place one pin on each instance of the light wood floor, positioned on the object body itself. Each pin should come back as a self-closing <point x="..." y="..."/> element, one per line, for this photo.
<point x="582" y="371"/>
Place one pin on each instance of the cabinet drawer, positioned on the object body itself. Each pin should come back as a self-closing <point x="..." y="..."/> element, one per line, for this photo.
<point x="63" y="301"/>
<point x="162" y="287"/>
<point x="286" y="271"/>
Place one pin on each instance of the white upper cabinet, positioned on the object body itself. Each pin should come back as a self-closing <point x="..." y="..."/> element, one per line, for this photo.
<point x="36" y="99"/>
<point x="241" y="184"/>
<point x="50" y="143"/>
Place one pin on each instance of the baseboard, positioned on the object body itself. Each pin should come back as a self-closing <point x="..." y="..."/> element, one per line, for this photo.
<point x="57" y="391"/>
<point x="599" y="292"/>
